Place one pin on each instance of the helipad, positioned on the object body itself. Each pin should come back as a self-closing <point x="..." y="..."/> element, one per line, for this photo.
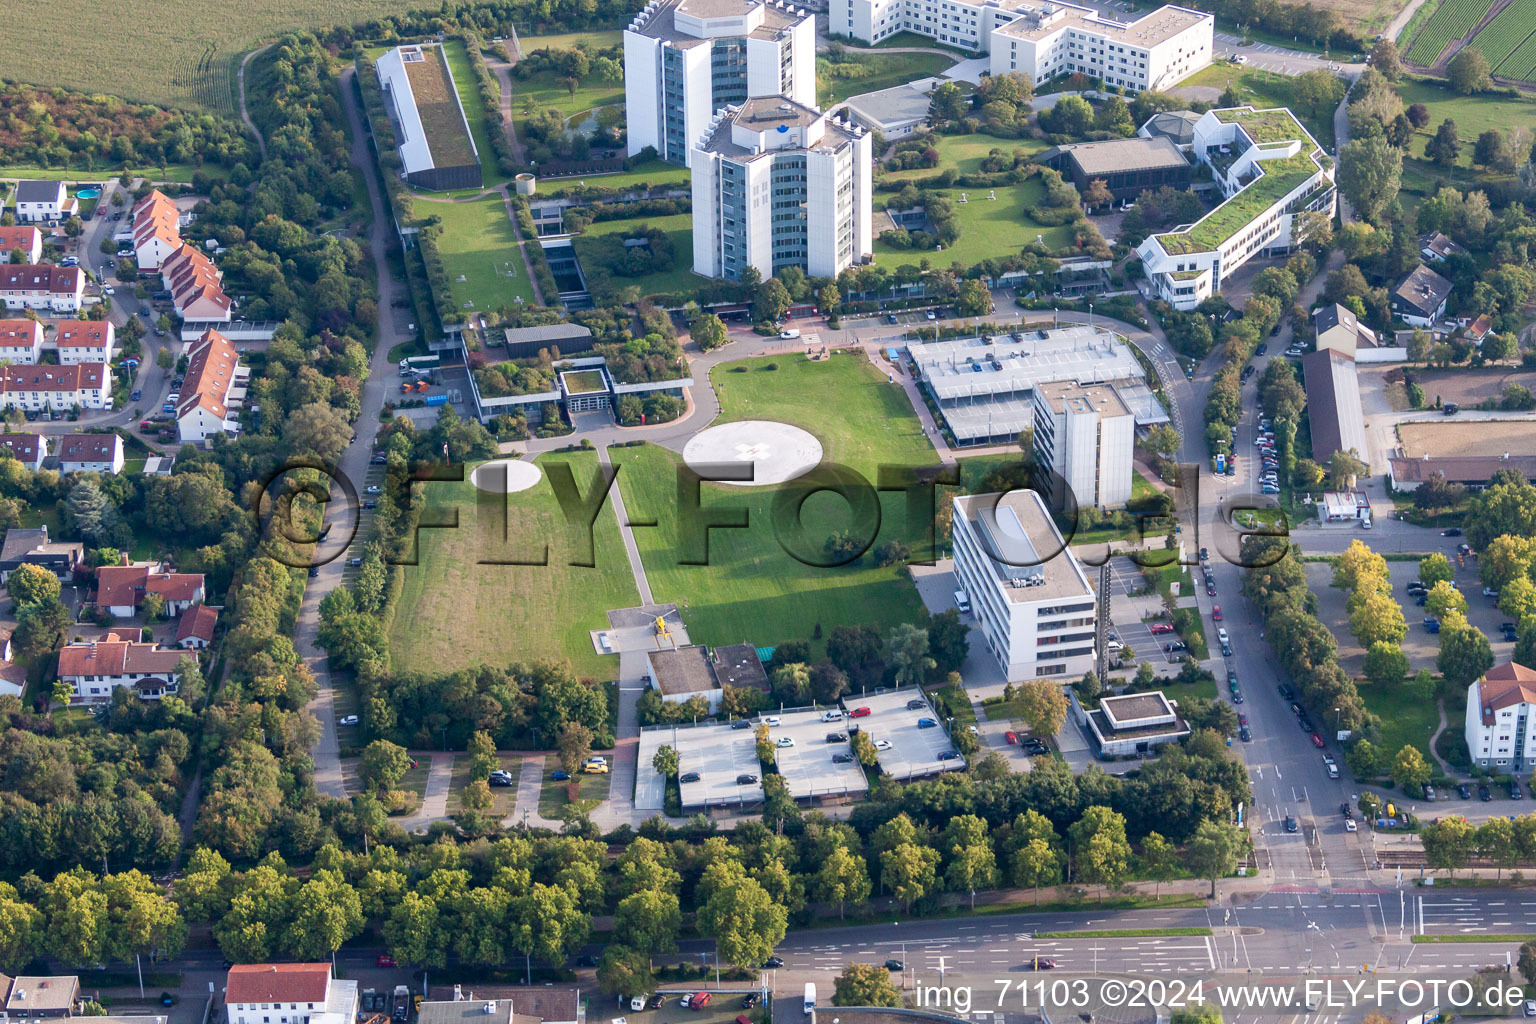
<point x="505" y="476"/>
<point x="778" y="451"/>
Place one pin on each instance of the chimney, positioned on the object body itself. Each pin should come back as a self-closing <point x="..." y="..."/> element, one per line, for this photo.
<point x="122" y="558"/>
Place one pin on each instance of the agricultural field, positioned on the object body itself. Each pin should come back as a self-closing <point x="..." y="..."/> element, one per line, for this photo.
<point x="485" y="270"/>
<point x="989" y="228"/>
<point x="1509" y="40"/>
<point x="871" y="72"/>
<point x="1453" y="20"/>
<point x="126" y="49"/>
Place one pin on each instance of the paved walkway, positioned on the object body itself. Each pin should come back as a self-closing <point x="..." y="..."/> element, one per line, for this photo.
<point x="631" y="549"/>
<point x="434" y="801"/>
<point x="526" y="809"/>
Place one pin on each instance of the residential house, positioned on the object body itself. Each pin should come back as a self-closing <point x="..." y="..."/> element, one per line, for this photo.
<point x="1420" y="299"/>
<point x="90" y="453"/>
<point x="195" y="630"/>
<point x="21" y="341"/>
<point x="156" y="230"/>
<point x="94" y="668"/>
<point x="1479" y="329"/>
<point x="1499" y="727"/>
<point x="120" y="589"/>
<point x="28" y="449"/>
<point x="1435" y="247"/>
<point x="44" y="201"/>
<point x="57" y="388"/>
<point x="25" y="237"/>
<point x="1339" y="330"/>
<point x="31" y="546"/>
<point x="195" y="286"/>
<point x="288" y="994"/>
<point x="210" y="392"/>
<point x="83" y="341"/>
<point x="42" y="286"/>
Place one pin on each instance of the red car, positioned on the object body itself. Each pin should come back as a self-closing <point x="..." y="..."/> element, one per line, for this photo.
<point x="384" y="960"/>
<point x="699" y="1001"/>
<point x="1011" y="736"/>
<point x="1159" y="628"/>
<point x="1317" y="741"/>
<point x="1216" y="612"/>
<point x="859" y="713"/>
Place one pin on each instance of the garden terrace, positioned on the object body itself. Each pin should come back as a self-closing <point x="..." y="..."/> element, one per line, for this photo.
<point x="1264" y="127"/>
<point x="1280" y="177"/>
<point x="505" y="379"/>
<point x="582" y="382"/>
<point x="438" y="105"/>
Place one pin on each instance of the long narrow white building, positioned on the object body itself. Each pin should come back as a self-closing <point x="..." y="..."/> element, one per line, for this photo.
<point x="684" y="60"/>
<point x="1036" y="607"/>
<point x="779" y="184"/>
<point x="1045" y="39"/>
<point x="1270" y="169"/>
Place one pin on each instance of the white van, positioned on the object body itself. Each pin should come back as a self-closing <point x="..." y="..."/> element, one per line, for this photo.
<point x="793" y="332"/>
<point x="810" y="998"/>
<point x="962" y="602"/>
<point x="832" y="716"/>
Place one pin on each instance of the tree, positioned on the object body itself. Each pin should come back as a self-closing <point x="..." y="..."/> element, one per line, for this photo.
<point x="1378" y="620"/>
<point x="792" y="682"/>
<point x="907" y="647"/>
<point x="1344" y="468"/>
<point x="772" y="301"/>
<point x="1370" y="173"/>
<point x="1097" y="194"/>
<point x="1101" y="852"/>
<point x="91" y="511"/>
<point x="1465" y="653"/>
<point x="1527" y="962"/>
<point x="743" y="920"/>
<point x="857" y="651"/>
<point x="1443" y="599"/>
<point x="1418" y="115"/>
<point x="1365" y="759"/>
<point x="1385" y="59"/>
<point x="974" y="299"/>
<point x="1496" y="841"/>
<point x="948" y="642"/>
<point x="1042" y="705"/>
<point x="1435" y="568"/>
<point x="909" y="871"/>
<point x="324" y="913"/>
<point x="1159" y="860"/>
<point x="865" y="985"/>
<point x="1072" y="115"/>
<point x="1469" y="72"/>
<point x="842" y="877"/>
<point x="1445" y="146"/>
<point x="1212" y="852"/>
<point x="648" y="920"/>
<point x="1317" y="92"/>
<point x="864" y="749"/>
<point x="1518" y="598"/>
<point x="708" y="332"/>
<point x="29" y="584"/>
<point x="318" y="428"/>
<point x="1385" y="664"/>
<point x="1448" y="843"/>
<point x="624" y="971"/>
<point x="972" y="864"/>
<point x="383" y="765"/>
<point x="21" y="930"/>
<point x="1035" y="864"/>
<point x="574" y="745"/>
<point x="548" y="923"/>
<point x="1410" y="770"/>
<point x="1356" y="563"/>
<point x="1489" y="148"/>
<point x="665" y="761"/>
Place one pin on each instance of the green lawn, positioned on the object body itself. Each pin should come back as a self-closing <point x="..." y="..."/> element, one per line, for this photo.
<point x="553" y="795"/>
<point x="679" y="227"/>
<point x="468" y="87"/>
<point x="965" y="152"/>
<point x="871" y="72"/>
<point x="1264" y="89"/>
<point x="1473" y="116"/>
<point x="478" y="245"/>
<point x="988" y="228"/>
<point x="173" y="172"/>
<point x="1405" y="719"/>
<point x="597" y="40"/>
<point x="548" y="89"/>
<point x="652" y="172"/>
<point x="751" y="589"/>
<point x="455" y="612"/>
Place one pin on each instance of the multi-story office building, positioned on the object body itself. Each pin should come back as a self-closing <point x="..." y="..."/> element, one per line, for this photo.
<point x="1270" y="169"/>
<point x="1086" y="434"/>
<point x="1036" y="607"/>
<point x="686" y="59"/>
<point x="1045" y="39"/>
<point x="778" y="184"/>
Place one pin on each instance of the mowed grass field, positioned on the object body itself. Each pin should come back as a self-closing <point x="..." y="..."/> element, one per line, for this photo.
<point x="966" y="152"/>
<point x="751" y="589"/>
<point x="468" y="88"/>
<point x="174" y="54"/>
<point x="478" y="245"/>
<point x="989" y="228"/>
<point x="1473" y="116"/>
<point x="454" y="612"/>
<point x="871" y="72"/>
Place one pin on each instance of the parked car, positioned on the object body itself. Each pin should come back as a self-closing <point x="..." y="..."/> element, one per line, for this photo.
<point x="773" y="962"/>
<point x="916" y="705"/>
<point x="771" y="721"/>
<point x="926" y="723"/>
<point x="746" y="780"/>
<point x="882" y="744"/>
<point x="1464" y="791"/>
<point x="1245" y="734"/>
<point x="837" y="737"/>
<point x="1286" y="692"/>
<point x="1350" y="826"/>
<point x="842" y="758"/>
<point x="1216" y="612"/>
<point x="1484" y="793"/>
<point x="699" y="1001"/>
<point x="859" y="713"/>
<point x="136" y="395"/>
<point x="1290" y="823"/>
<point x="741" y="723"/>
<point x="688" y="777"/>
<point x="1317" y="741"/>
<point x="1010" y="737"/>
<point x="1454" y="531"/>
<point x="1159" y="628"/>
<point x="1305" y="724"/>
<point x="561" y="775"/>
<point x="894" y="965"/>
<point x="347" y="720"/>
<point x="786" y="741"/>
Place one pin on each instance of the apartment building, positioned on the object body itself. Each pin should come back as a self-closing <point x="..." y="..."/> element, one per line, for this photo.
<point x="686" y="59"/>
<point x="1046" y="39"/>
<point x="1500" y="709"/>
<point x="20" y="341"/>
<point x="288" y="994"/>
<point x="212" y="391"/>
<point x="1270" y="170"/>
<point x="42" y="287"/>
<point x="779" y="184"/>
<point x="83" y="341"/>
<point x="94" y="668"/>
<point x="1086" y="434"/>
<point x="1035" y="605"/>
<point x="56" y="388"/>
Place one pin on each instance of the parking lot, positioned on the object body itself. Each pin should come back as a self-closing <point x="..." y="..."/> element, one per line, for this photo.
<point x="807" y="766"/>
<point x="717" y="753"/>
<point x="914" y="752"/>
<point x="1128" y="614"/>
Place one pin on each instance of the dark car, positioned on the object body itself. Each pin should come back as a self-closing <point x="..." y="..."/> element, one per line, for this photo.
<point x="500" y="780"/>
<point x="1263" y="347"/>
<point x="948" y="755"/>
<point x="1040" y="963"/>
<point x="837" y="737"/>
<point x="1306" y="724"/>
<point x="1231" y="677"/>
<point x="842" y="758"/>
<point x="1177" y="645"/>
<point x="1290" y="823"/>
<point x="1245" y="734"/>
<point x="750" y="1000"/>
<point x="894" y="965"/>
<point x="1296" y="710"/>
<point x="314" y="571"/>
<point x="745" y="780"/>
<point x="916" y="705"/>
<point x="654" y="1003"/>
<point x="379" y="460"/>
<point x="1484" y="793"/>
<point x="1514" y="790"/>
<point x="137" y="394"/>
<point x="773" y="962"/>
<point x="741" y="723"/>
<point x="688" y="777"/>
<point x="1286" y="692"/>
<point x="1464" y="791"/>
<point x="1454" y="531"/>
<point x="561" y="775"/>
<point x="1345" y="810"/>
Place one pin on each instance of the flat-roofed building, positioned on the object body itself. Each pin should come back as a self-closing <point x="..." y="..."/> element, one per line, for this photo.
<point x="34" y="997"/>
<point x="1135" y="723"/>
<point x="682" y="673"/>
<point x="1035" y="605"/>
<point x="1086" y="434"/>
<point x="896" y="112"/>
<point x="1126" y="166"/>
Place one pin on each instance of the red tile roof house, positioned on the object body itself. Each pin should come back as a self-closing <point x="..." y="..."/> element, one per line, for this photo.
<point x="83" y="341"/>
<point x="288" y="994"/>
<point x="25" y="237"/>
<point x="1478" y="329"/>
<point x="90" y="453"/>
<point x="195" y="630"/>
<point x="42" y="286"/>
<point x="35" y="388"/>
<point x="29" y="449"/>
<point x="195" y="285"/>
<point x="120" y="589"/>
<point x="95" y="668"/>
<point x="206" y="400"/>
<point x="20" y="341"/>
<point x="156" y="230"/>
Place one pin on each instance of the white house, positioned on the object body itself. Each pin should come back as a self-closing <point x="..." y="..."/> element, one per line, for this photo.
<point x="208" y="392"/>
<point x="1271" y="170"/>
<point x="1087" y="435"/>
<point x="1035" y="605"/>
<point x="90" y="453"/>
<point x="28" y="449"/>
<point x="47" y="201"/>
<point x="1420" y="299"/>
<point x="779" y="184"/>
<point x="288" y="994"/>
<point x="156" y="230"/>
<point x="59" y="388"/>
<point x="196" y="285"/>
<point x="120" y="589"/>
<point x="686" y="59"/>
<point x="95" y="668"/>
<point x="1501" y="719"/>
<point x="42" y="286"/>
<point x="83" y="341"/>
<point x="25" y="237"/>
<point x="20" y="341"/>
<point x="195" y="629"/>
